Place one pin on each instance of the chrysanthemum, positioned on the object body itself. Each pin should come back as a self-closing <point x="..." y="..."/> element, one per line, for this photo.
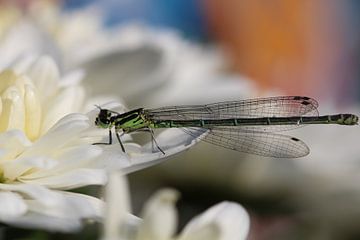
<point x="36" y="151"/>
<point x="45" y="144"/>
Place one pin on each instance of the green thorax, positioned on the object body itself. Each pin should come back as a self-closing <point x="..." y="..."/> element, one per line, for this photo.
<point x="131" y="121"/>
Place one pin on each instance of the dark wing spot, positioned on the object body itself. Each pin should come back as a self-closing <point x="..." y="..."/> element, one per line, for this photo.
<point x="305" y="103"/>
<point x="295" y="139"/>
<point x="301" y="98"/>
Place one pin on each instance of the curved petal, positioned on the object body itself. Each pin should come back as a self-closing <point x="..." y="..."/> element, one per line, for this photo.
<point x="70" y="206"/>
<point x="13" y="109"/>
<point x="171" y="141"/>
<point x="159" y="216"/>
<point x="14" y="169"/>
<point x="68" y="100"/>
<point x="33" y="220"/>
<point x="70" y="179"/>
<point x="66" y="214"/>
<point x="12" y="142"/>
<point x="59" y="135"/>
<point x="139" y="68"/>
<point x="209" y="231"/>
<point x="13" y="45"/>
<point x="117" y="206"/>
<point x="12" y="205"/>
<point x="69" y="159"/>
<point x="45" y="75"/>
<point x="231" y="219"/>
<point x="35" y="192"/>
<point x="32" y="112"/>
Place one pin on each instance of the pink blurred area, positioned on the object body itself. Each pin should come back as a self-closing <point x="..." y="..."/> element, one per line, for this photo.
<point x="23" y="4"/>
<point x="299" y="47"/>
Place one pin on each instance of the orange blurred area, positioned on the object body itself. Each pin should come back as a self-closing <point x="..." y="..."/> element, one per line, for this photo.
<point x="291" y="45"/>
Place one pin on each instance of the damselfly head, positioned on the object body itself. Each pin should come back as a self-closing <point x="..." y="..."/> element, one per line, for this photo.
<point x="103" y="119"/>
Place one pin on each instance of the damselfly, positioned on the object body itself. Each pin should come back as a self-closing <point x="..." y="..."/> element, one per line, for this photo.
<point x="248" y="126"/>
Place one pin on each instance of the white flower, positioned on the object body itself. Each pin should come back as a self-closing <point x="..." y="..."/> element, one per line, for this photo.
<point x="36" y="150"/>
<point x="44" y="145"/>
<point x="33" y="98"/>
<point x="224" y="221"/>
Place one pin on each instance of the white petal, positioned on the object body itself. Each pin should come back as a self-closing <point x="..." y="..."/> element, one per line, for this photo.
<point x="159" y="216"/>
<point x="72" y="78"/>
<point x="7" y="79"/>
<point x="140" y="69"/>
<point x="25" y="38"/>
<point x="45" y="75"/>
<point x="33" y="220"/>
<point x="113" y="158"/>
<point x="68" y="119"/>
<point x="39" y="193"/>
<point x="117" y="206"/>
<point x="70" y="179"/>
<point x="13" y="109"/>
<point x="59" y="135"/>
<point x="11" y="205"/>
<point x="13" y="169"/>
<point x="21" y="65"/>
<point x="209" y="231"/>
<point x="67" y="101"/>
<point x="231" y="218"/>
<point x="79" y="156"/>
<point x="32" y="111"/>
<point x="13" y="142"/>
<point x="64" y="213"/>
<point x="69" y="205"/>
<point x="171" y="141"/>
<point x="69" y="159"/>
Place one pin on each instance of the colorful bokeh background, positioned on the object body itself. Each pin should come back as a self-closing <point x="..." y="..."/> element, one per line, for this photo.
<point x="297" y="47"/>
<point x="286" y="47"/>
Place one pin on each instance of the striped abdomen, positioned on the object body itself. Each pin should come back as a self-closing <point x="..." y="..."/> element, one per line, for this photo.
<point x="342" y="119"/>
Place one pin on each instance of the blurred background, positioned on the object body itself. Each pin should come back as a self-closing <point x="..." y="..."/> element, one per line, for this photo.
<point x="277" y="47"/>
<point x="300" y="47"/>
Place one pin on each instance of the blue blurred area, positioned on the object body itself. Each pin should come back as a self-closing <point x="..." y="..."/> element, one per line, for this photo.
<point x="69" y="4"/>
<point x="187" y="16"/>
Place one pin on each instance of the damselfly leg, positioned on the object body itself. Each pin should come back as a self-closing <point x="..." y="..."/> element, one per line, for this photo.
<point x="153" y="140"/>
<point x="110" y="140"/>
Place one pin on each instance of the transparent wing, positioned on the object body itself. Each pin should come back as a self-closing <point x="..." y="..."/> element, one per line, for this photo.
<point x="252" y="108"/>
<point x="259" y="143"/>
